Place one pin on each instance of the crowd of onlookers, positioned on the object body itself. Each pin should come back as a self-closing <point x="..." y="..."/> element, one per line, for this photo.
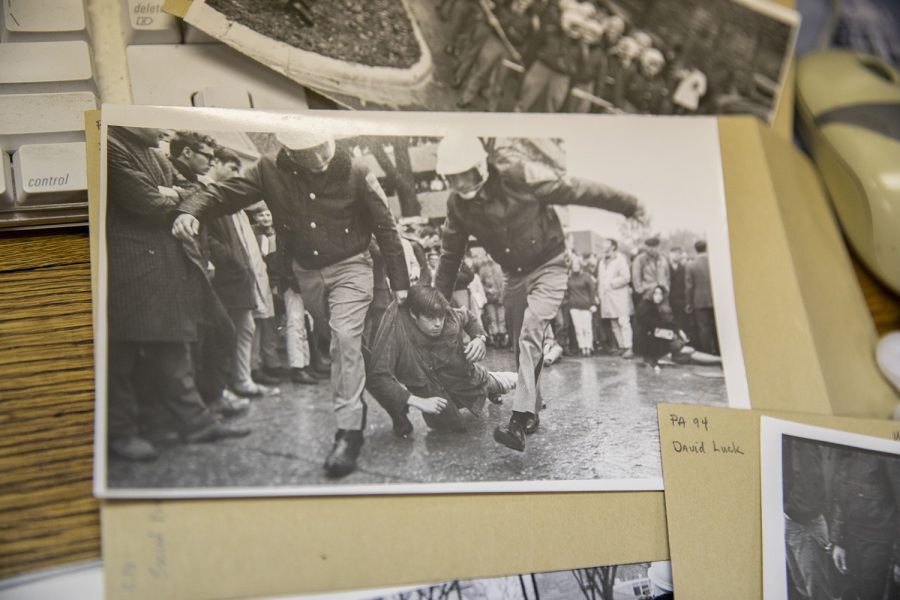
<point x="653" y="303"/>
<point x="573" y="57"/>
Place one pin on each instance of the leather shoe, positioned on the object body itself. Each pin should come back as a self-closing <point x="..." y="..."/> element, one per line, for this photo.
<point x="230" y="404"/>
<point x="511" y="435"/>
<point x="264" y="378"/>
<point x="303" y="376"/>
<point x="133" y="448"/>
<point x="215" y="432"/>
<point x="341" y="460"/>
<point x="319" y="371"/>
<point x="402" y="425"/>
<point x="531" y="423"/>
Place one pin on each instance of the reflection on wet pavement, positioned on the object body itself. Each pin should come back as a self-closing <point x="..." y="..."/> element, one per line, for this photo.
<point x="599" y="423"/>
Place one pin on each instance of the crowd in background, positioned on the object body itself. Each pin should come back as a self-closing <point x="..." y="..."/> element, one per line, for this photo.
<point x="616" y="303"/>
<point x="573" y="57"/>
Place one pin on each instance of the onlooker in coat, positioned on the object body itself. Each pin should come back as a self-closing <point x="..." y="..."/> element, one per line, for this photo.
<point x="649" y="270"/>
<point x="698" y="291"/>
<point x="677" y="294"/>
<point x="154" y="297"/>
<point x="582" y="294"/>
<point x="614" y="284"/>
<point x="327" y="207"/>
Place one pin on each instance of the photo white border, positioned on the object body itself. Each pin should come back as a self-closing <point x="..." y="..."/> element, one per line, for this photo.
<point x="771" y="432"/>
<point x="423" y="124"/>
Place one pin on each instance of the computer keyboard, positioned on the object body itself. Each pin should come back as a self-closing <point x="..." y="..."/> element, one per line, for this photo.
<point x="59" y="58"/>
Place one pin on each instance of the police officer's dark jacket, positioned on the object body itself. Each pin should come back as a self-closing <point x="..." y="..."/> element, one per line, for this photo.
<point x="513" y="218"/>
<point x="320" y="218"/>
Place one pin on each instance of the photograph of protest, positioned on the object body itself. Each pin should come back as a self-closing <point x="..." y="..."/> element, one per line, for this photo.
<point x="340" y="303"/>
<point x="588" y="56"/>
<point x="635" y="581"/>
<point x="831" y="513"/>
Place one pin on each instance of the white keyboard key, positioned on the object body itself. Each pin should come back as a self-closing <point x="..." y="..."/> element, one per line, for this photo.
<point x="50" y="174"/>
<point x="202" y="66"/>
<point x="27" y="20"/>
<point x="43" y="118"/>
<point x="222" y="96"/>
<point x="7" y="196"/>
<point x="144" y="22"/>
<point x="192" y="35"/>
<point x="45" y="66"/>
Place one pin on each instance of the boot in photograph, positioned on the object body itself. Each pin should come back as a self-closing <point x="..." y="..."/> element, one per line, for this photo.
<point x="512" y="435"/>
<point x="303" y="376"/>
<point x="341" y="460"/>
<point x="133" y="448"/>
<point x="264" y="378"/>
<point x="531" y="424"/>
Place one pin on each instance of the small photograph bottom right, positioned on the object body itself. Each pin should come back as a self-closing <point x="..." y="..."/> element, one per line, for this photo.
<point x="831" y="514"/>
<point x="635" y="581"/>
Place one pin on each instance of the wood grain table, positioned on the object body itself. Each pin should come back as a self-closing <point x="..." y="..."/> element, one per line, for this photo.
<point x="48" y="515"/>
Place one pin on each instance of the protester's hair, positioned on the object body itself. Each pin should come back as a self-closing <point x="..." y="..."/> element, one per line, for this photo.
<point x="700" y="246"/>
<point x="188" y="139"/>
<point x="675" y="249"/>
<point x="652" y="242"/>
<point x="225" y="156"/>
<point x="613" y="243"/>
<point x="423" y="300"/>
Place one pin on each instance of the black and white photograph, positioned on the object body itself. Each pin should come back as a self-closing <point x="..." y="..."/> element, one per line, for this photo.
<point x="685" y="57"/>
<point x="635" y="581"/>
<point x="831" y="514"/>
<point x="350" y="302"/>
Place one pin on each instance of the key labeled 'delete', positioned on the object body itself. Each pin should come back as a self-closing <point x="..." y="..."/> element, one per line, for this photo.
<point x="50" y="174"/>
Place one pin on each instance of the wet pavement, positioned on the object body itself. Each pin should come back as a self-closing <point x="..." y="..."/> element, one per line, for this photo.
<point x="599" y="423"/>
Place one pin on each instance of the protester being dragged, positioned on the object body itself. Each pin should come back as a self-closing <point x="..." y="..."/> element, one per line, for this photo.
<point x="426" y="357"/>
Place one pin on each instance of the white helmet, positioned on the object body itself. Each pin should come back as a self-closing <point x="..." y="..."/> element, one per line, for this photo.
<point x="627" y="48"/>
<point x="652" y="61"/>
<point x="614" y="27"/>
<point x="304" y="140"/>
<point x="457" y="153"/>
<point x="643" y="39"/>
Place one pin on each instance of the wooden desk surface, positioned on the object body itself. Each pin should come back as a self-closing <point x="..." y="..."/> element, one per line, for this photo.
<point x="48" y="515"/>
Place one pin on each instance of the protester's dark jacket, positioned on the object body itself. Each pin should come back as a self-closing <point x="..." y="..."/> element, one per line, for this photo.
<point x="804" y="480"/>
<point x="867" y="498"/>
<point x="513" y="217"/>
<point x="677" y="297"/>
<point x="155" y="290"/>
<point x="697" y="285"/>
<point x="320" y="219"/>
<point x="233" y="280"/>
<point x="405" y="360"/>
<point x="657" y="329"/>
<point x="582" y="291"/>
<point x="464" y="277"/>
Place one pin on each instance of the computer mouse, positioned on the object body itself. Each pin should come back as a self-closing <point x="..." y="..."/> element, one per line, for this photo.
<point x="848" y="106"/>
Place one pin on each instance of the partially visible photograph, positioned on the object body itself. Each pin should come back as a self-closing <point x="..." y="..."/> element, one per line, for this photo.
<point x="831" y="514"/>
<point x="594" y="56"/>
<point x="635" y="581"/>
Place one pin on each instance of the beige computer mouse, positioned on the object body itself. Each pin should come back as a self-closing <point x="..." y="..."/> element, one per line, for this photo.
<point x="848" y="106"/>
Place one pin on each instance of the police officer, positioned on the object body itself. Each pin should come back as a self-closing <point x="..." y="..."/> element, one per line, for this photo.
<point x="506" y="204"/>
<point x="326" y="207"/>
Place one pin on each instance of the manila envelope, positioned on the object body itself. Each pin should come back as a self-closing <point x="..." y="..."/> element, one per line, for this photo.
<point x="799" y="355"/>
<point x="713" y="493"/>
